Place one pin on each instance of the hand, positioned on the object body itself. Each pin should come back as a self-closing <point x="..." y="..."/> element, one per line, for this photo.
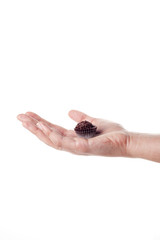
<point x="111" y="140"/>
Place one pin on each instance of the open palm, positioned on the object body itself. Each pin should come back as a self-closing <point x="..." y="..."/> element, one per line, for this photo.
<point x="111" y="138"/>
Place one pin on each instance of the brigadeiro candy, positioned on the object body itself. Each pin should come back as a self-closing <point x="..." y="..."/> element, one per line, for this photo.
<point x="85" y="129"/>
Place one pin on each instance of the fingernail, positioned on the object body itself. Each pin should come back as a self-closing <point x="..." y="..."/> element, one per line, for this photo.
<point x="21" y="117"/>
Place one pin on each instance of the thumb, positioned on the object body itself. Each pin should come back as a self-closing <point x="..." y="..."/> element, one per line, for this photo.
<point x="79" y="116"/>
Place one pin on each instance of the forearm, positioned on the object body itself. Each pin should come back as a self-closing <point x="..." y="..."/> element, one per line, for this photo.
<point x="145" y="146"/>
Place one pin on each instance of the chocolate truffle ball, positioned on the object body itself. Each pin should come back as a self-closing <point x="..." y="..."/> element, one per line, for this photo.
<point x="85" y="129"/>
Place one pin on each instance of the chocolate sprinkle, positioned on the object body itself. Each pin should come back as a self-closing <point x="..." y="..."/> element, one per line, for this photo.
<point x="85" y="129"/>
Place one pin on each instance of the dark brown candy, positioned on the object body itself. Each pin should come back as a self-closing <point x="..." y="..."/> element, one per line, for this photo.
<point x="85" y="129"/>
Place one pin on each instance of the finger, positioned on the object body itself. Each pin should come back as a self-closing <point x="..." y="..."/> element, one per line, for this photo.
<point x="29" y="125"/>
<point x="80" y="116"/>
<point x="60" y="142"/>
<point x="38" y="118"/>
<point x="25" y="118"/>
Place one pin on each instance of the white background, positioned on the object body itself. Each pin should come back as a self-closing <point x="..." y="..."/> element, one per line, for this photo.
<point x="99" y="57"/>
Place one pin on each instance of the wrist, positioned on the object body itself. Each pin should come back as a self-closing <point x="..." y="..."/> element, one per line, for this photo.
<point x="140" y="145"/>
<point x="133" y="148"/>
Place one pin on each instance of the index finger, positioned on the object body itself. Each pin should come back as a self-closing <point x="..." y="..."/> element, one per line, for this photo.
<point x="38" y="118"/>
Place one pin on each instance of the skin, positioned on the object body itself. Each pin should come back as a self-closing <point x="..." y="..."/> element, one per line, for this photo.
<point x="112" y="139"/>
